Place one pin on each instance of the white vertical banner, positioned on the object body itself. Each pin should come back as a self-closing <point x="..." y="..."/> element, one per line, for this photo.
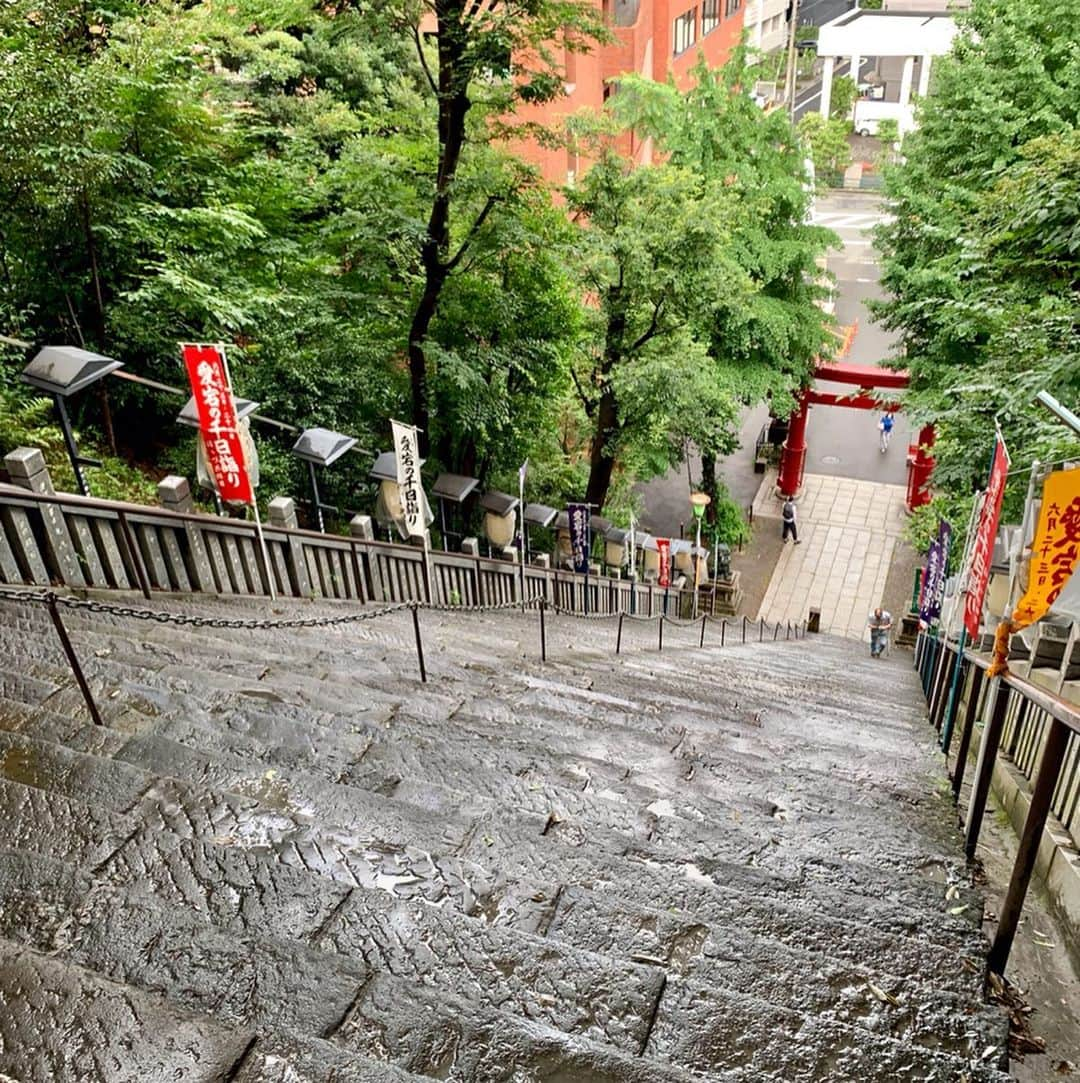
<point x="407" y="454"/>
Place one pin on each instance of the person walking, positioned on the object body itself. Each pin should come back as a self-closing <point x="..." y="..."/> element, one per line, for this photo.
<point x="880" y="623"/>
<point x="885" y="427"/>
<point x="788" y="515"/>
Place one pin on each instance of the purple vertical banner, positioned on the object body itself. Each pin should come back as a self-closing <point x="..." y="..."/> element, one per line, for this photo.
<point x="578" y="516"/>
<point x="934" y="578"/>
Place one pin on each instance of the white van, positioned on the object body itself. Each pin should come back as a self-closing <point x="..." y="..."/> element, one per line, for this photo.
<point x="869" y="114"/>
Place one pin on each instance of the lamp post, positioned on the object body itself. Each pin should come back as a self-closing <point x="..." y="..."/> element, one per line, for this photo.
<point x="321" y="447"/>
<point x="699" y="502"/>
<point x="63" y="371"/>
<point x="451" y="489"/>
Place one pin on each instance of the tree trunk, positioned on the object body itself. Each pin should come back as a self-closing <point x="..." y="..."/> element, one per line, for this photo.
<point x="453" y="78"/>
<point x="602" y="456"/>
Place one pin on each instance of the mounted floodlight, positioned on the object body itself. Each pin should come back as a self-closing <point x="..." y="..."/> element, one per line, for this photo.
<point x="63" y="371"/>
<point x="190" y="414"/>
<point x="452" y="489"/>
<point x="321" y="447"/>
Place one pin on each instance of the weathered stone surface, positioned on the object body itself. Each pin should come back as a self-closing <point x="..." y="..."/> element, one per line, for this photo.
<point x="586" y="872"/>
<point x="62" y="1022"/>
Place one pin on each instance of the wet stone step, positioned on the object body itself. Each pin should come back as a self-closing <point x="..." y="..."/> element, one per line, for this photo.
<point x="577" y="992"/>
<point x="60" y="1022"/>
<point x="516" y="853"/>
<point x="705" y="1029"/>
<point x="788" y="975"/>
<point x="441" y="1037"/>
<point x="280" y="1058"/>
<point x="131" y="938"/>
<point x="368" y="816"/>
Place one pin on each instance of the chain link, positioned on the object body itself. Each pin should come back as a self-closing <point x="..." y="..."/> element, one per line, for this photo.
<point x="197" y="621"/>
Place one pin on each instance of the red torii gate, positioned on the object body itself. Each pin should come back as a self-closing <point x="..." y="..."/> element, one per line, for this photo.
<point x="865" y="378"/>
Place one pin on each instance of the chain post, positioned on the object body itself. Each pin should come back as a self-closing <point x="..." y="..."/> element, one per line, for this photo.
<point x="543" y="634"/>
<point x="618" y="638"/>
<point x="73" y="659"/>
<point x="419" y="644"/>
<point x="744" y="620"/>
<point x="723" y="631"/>
<point x="761" y="630"/>
<point x="701" y="641"/>
<point x="660" y="645"/>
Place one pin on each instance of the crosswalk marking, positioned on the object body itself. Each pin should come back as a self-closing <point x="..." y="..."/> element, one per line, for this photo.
<point x="847" y="220"/>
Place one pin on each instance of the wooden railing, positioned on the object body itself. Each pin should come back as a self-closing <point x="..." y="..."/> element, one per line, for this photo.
<point x="61" y="539"/>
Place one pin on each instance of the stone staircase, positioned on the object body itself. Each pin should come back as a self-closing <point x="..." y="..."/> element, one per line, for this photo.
<point x="285" y="859"/>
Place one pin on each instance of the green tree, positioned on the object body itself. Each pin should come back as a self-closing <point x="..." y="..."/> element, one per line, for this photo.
<point x="844" y="93"/>
<point x="827" y="143"/>
<point x="981" y="256"/>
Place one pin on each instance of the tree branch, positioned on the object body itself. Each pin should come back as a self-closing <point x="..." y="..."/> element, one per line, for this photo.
<point x="423" y="59"/>
<point x="473" y="230"/>
<point x="652" y="330"/>
<point x="588" y="404"/>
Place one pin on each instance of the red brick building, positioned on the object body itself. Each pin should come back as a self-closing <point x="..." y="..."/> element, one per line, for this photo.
<point x="653" y="38"/>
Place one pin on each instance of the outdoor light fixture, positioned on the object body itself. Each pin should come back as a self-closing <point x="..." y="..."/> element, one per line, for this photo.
<point x="699" y="502"/>
<point x="500" y="518"/>
<point x="540" y="515"/>
<point x="615" y="543"/>
<point x="388" y="509"/>
<point x="454" y="489"/>
<point x="190" y="414"/>
<point x="321" y="447"/>
<point x="63" y="371"/>
<point x="1064" y="415"/>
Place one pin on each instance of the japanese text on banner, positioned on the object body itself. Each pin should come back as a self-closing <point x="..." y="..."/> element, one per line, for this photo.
<point x="217" y="422"/>
<point x="1054" y="548"/>
<point x="578" y="524"/>
<point x="983" y="549"/>
<point x="407" y="452"/>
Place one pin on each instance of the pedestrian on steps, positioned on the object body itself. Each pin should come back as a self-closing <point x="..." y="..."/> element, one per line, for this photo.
<point x="788" y="515"/>
<point x="880" y="623"/>
<point x="885" y="427"/>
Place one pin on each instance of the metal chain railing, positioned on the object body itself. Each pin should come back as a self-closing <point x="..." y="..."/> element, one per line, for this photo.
<point x="54" y="602"/>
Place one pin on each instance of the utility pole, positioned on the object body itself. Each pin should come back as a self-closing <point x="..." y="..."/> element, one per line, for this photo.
<point x="789" y="81"/>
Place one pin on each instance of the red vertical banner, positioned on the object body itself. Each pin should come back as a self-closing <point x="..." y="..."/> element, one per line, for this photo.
<point x="663" y="548"/>
<point x="217" y="421"/>
<point x="983" y="548"/>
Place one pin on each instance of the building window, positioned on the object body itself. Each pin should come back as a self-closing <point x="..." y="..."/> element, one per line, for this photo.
<point x="710" y="16"/>
<point x="730" y="7"/>
<point x="685" y="26"/>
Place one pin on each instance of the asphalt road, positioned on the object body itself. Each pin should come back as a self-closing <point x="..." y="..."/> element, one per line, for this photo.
<point x="842" y="441"/>
<point x="808" y="98"/>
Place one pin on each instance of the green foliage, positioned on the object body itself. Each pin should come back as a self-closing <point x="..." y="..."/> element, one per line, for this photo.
<point x="844" y="93"/>
<point x="730" y="526"/>
<point x="827" y="142"/>
<point x="983" y="257"/>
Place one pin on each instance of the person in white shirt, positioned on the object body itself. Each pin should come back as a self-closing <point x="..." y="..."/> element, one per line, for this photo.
<point x="880" y="622"/>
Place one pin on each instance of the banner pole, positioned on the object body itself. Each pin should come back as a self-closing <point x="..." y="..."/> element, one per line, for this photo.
<point x="265" y="551"/>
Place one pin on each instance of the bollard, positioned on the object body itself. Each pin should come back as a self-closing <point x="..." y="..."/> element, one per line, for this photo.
<point x="419" y="644"/>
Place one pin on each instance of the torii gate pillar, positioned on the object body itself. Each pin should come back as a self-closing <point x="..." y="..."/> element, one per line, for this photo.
<point x="793" y="453"/>
<point x="920" y="467"/>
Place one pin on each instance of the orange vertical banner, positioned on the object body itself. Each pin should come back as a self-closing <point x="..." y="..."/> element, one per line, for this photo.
<point x="1055" y="547"/>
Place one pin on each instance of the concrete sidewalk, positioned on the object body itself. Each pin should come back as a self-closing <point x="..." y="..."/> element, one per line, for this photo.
<point x="849" y="530"/>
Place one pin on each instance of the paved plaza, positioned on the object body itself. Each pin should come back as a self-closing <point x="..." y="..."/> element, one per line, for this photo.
<point x="848" y="530"/>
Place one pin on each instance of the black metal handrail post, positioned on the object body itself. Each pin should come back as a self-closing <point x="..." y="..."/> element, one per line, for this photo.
<point x="73" y="660"/>
<point x="970" y="714"/>
<point x="1042" y="795"/>
<point x="985" y="767"/>
<point x="419" y="642"/>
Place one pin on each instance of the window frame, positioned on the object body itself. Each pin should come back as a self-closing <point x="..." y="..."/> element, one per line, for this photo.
<point x="691" y="41"/>
<point x="710" y="10"/>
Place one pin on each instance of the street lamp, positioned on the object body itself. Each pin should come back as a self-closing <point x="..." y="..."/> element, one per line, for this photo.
<point x="541" y="515"/>
<point x="500" y="518"/>
<point x="63" y="371"/>
<point x="321" y="447"/>
<point x="699" y="502"/>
